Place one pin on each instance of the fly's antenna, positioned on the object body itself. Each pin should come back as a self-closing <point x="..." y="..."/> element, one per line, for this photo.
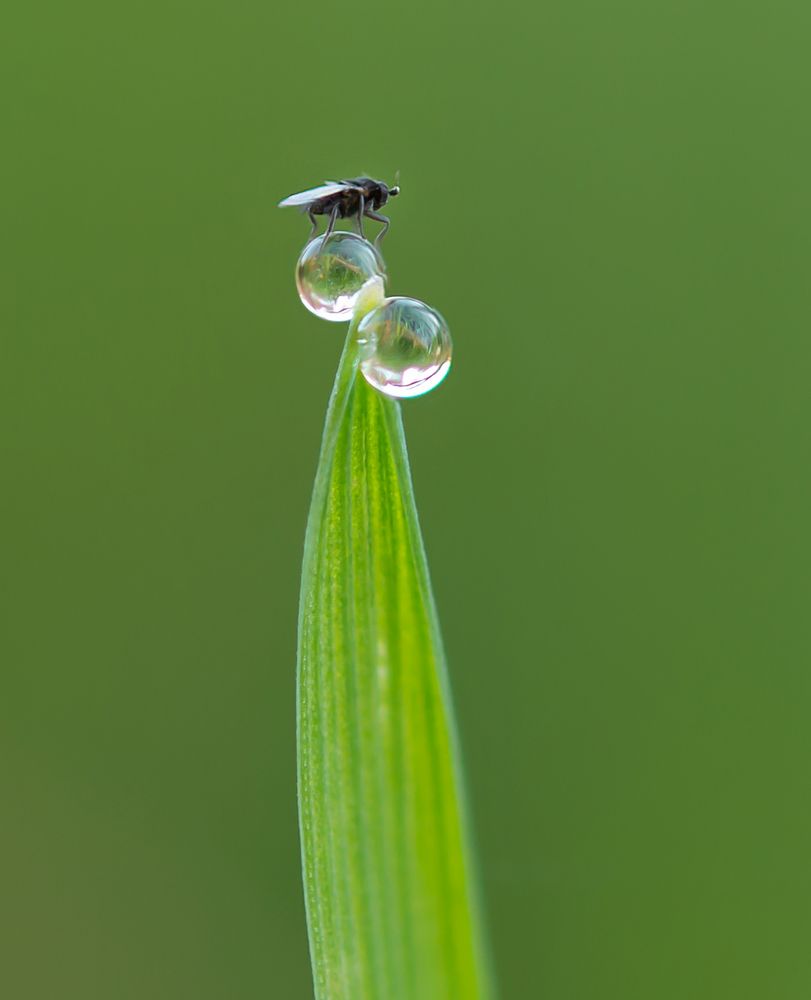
<point x="396" y="189"/>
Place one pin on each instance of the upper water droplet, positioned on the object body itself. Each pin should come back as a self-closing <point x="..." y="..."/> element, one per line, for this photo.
<point x="330" y="278"/>
<point x="405" y="347"/>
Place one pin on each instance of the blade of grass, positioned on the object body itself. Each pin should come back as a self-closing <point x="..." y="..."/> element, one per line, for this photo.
<point x="390" y="892"/>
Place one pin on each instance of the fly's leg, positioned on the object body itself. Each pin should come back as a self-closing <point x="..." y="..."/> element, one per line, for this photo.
<point x="330" y="226"/>
<point x="379" y="218"/>
<point x="314" y="221"/>
<point x="361" y="210"/>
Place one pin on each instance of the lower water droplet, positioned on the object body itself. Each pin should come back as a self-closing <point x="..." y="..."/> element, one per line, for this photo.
<point x="405" y="347"/>
<point x="330" y="277"/>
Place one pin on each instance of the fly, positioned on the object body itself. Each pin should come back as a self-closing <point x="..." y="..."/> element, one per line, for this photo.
<point x="358" y="198"/>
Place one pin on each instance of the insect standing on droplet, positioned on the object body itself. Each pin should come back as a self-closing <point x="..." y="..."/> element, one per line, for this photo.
<point x="403" y="345"/>
<point x="359" y="198"/>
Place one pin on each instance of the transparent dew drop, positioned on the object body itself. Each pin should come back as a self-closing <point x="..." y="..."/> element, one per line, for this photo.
<point x="330" y="278"/>
<point x="405" y="347"/>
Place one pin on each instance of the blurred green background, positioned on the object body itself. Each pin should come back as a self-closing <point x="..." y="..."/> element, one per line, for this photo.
<point x="610" y="204"/>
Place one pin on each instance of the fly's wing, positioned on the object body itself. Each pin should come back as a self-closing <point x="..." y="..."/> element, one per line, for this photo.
<point x="306" y="197"/>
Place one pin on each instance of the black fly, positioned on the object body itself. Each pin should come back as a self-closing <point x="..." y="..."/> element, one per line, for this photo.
<point x="354" y="198"/>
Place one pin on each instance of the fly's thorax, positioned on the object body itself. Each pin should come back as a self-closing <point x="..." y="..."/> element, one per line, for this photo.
<point x="375" y="193"/>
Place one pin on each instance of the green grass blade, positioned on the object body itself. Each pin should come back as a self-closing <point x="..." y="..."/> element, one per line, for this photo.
<point x="390" y="895"/>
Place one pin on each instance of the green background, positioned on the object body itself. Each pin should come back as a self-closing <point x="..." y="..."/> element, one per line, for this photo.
<point x="610" y="205"/>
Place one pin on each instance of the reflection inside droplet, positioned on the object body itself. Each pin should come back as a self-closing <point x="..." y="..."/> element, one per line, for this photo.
<point x="405" y="347"/>
<point x="330" y="277"/>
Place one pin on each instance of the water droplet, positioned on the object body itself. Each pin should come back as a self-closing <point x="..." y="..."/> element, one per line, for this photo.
<point x="329" y="280"/>
<point x="405" y="347"/>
